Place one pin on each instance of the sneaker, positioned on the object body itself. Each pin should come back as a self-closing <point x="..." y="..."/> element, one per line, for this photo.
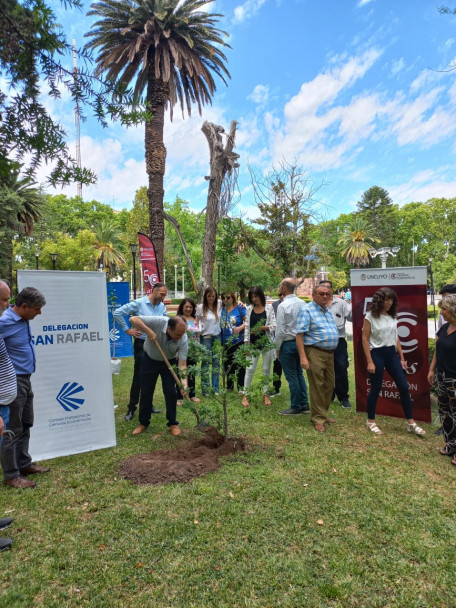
<point x="5" y="522"/>
<point x="275" y="394"/>
<point x="305" y="409"/>
<point x="290" y="412"/>
<point x="439" y="431"/>
<point x="345" y="403"/>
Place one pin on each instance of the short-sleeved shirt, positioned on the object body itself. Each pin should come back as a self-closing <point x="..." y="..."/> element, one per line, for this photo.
<point x="209" y="323"/>
<point x="383" y="330"/>
<point x="171" y="348"/>
<point x="446" y="352"/>
<point x="318" y="326"/>
<point x="19" y="343"/>
<point x="230" y="320"/>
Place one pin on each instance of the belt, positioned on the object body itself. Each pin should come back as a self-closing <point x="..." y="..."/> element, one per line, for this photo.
<point x="325" y="350"/>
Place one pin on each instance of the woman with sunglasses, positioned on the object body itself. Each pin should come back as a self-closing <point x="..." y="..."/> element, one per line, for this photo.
<point x="232" y="323"/>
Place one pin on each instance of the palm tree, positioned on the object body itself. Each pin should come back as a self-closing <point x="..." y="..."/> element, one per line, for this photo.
<point x="107" y="243"/>
<point x="22" y="202"/>
<point x="170" y="50"/>
<point x="356" y="240"/>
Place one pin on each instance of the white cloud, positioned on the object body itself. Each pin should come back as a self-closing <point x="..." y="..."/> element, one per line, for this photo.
<point x="247" y="10"/>
<point x="259" y="94"/>
<point x="421" y="188"/>
<point x="364" y="2"/>
<point x="397" y="66"/>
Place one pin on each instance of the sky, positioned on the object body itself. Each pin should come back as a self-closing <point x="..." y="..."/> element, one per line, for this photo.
<point x="357" y="92"/>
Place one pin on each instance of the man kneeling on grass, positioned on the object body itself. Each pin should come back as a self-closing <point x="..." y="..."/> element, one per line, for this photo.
<point x="170" y="334"/>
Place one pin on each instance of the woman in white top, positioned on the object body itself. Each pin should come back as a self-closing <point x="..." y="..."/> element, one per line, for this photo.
<point x="383" y="350"/>
<point x="208" y="315"/>
<point x="259" y="322"/>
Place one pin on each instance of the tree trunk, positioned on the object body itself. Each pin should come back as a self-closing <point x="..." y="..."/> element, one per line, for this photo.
<point x="157" y="96"/>
<point x="222" y="160"/>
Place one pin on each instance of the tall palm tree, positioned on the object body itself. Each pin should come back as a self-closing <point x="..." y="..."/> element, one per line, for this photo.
<point x="107" y="244"/>
<point x="170" y="50"/>
<point x="356" y="240"/>
<point x="22" y="203"/>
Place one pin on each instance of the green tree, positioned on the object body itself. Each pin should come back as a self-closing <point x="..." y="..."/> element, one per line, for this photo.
<point x="377" y="208"/>
<point x="170" y="50"/>
<point x="31" y="46"/>
<point x="107" y="243"/>
<point x="356" y="241"/>
<point x="74" y="253"/>
<point x="22" y="204"/>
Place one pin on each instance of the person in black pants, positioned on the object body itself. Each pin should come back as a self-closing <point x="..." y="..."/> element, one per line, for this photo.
<point x="276" y="366"/>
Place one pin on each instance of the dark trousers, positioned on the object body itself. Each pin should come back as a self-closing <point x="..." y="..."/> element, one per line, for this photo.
<point x="150" y="371"/>
<point x="233" y="370"/>
<point x="138" y="347"/>
<point x="15" y="449"/>
<point x="341" y="370"/>
<point x="447" y="410"/>
<point x="277" y="371"/>
<point x="387" y="358"/>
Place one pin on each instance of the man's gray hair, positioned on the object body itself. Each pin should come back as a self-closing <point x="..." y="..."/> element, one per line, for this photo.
<point x="31" y="297"/>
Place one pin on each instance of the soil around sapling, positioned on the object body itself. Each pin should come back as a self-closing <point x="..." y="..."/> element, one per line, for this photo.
<point x="184" y="462"/>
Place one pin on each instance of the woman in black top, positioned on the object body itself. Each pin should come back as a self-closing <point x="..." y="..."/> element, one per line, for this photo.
<point x="443" y="369"/>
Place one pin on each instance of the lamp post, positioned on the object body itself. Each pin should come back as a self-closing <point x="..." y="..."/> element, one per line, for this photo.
<point x="164" y="276"/>
<point x="384" y="252"/>
<point x="133" y="249"/>
<point x="54" y="259"/>
<point x="175" y="281"/>
<point x="183" y="285"/>
<point x="37" y="257"/>
<point x="219" y="263"/>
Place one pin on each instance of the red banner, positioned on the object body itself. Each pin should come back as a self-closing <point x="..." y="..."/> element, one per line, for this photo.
<point x="151" y="274"/>
<point x="410" y="284"/>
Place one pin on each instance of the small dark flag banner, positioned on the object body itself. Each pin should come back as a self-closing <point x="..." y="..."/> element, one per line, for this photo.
<point x="151" y="274"/>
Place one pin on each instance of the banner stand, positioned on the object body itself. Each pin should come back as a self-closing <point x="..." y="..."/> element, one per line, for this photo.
<point x="410" y="284"/>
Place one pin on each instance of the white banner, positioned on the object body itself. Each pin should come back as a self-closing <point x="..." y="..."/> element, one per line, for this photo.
<point x="73" y="403"/>
<point x="403" y="275"/>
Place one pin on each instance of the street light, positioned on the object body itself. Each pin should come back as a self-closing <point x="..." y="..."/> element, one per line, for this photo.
<point x="384" y="252"/>
<point x="133" y="249"/>
<point x="54" y="259"/>
<point x="37" y="256"/>
<point x="175" y="281"/>
<point x="219" y="263"/>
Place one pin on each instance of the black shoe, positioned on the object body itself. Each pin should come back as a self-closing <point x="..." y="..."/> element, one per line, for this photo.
<point x="345" y="403"/>
<point x="5" y="544"/>
<point x="5" y="522"/>
<point x="291" y="412"/>
<point x="439" y="431"/>
<point x="130" y="414"/>
<point x="305" y="409"/>
<point x="274" y="394"/>
<point x="154" y="411"/>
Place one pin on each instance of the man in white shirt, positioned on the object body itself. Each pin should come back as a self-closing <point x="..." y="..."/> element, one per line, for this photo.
<point x="287" y="353"/>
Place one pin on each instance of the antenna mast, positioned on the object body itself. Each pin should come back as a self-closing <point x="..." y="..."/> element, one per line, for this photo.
<point x="76" y="115"/>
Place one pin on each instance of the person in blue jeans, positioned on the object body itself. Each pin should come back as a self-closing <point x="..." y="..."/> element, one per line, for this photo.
<point x="383" y="350"/>
<point x="286" y="350"/>
<point x="208" y="316"/>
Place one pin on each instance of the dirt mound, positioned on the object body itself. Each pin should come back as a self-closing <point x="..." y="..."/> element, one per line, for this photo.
<point x="185" y="462"/>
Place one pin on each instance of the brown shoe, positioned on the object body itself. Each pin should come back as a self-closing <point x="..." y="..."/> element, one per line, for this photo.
<point x="174" y="430"/>
<point x="139" y="429"/>
<point x="34" y="469"/>
<point x="320" y="428"/>
<point x="19" y="483"/>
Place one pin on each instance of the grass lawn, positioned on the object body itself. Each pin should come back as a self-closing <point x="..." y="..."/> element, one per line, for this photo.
<point x="305" y="519"/>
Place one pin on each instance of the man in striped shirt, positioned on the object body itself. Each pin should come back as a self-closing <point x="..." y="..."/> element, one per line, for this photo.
<point x="316" y="340"/>
<point x="8" y="392"/>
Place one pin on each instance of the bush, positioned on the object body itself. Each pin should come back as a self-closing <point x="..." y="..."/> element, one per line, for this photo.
<point x="431" y="314"/>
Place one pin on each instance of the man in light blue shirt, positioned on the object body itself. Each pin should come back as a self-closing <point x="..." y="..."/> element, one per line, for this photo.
<point x="15" y="330"/>
<point x="149" y="306"/>
<point x="285" y="339"/>
<point x="316" y="340"/>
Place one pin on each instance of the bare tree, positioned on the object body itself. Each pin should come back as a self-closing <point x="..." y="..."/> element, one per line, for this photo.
<point x="286" y="199"/>
<point x="222" y="184"/>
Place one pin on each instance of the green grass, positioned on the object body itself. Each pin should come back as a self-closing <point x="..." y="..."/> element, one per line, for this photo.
<point x="247" y="535"/>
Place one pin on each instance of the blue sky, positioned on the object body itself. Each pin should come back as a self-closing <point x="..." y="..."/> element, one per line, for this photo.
<point x="348" y="88"/>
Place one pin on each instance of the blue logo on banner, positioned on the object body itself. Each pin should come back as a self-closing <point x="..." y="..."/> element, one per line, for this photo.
<point x="120" y="342"/>
<point x="66" y="396"/>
